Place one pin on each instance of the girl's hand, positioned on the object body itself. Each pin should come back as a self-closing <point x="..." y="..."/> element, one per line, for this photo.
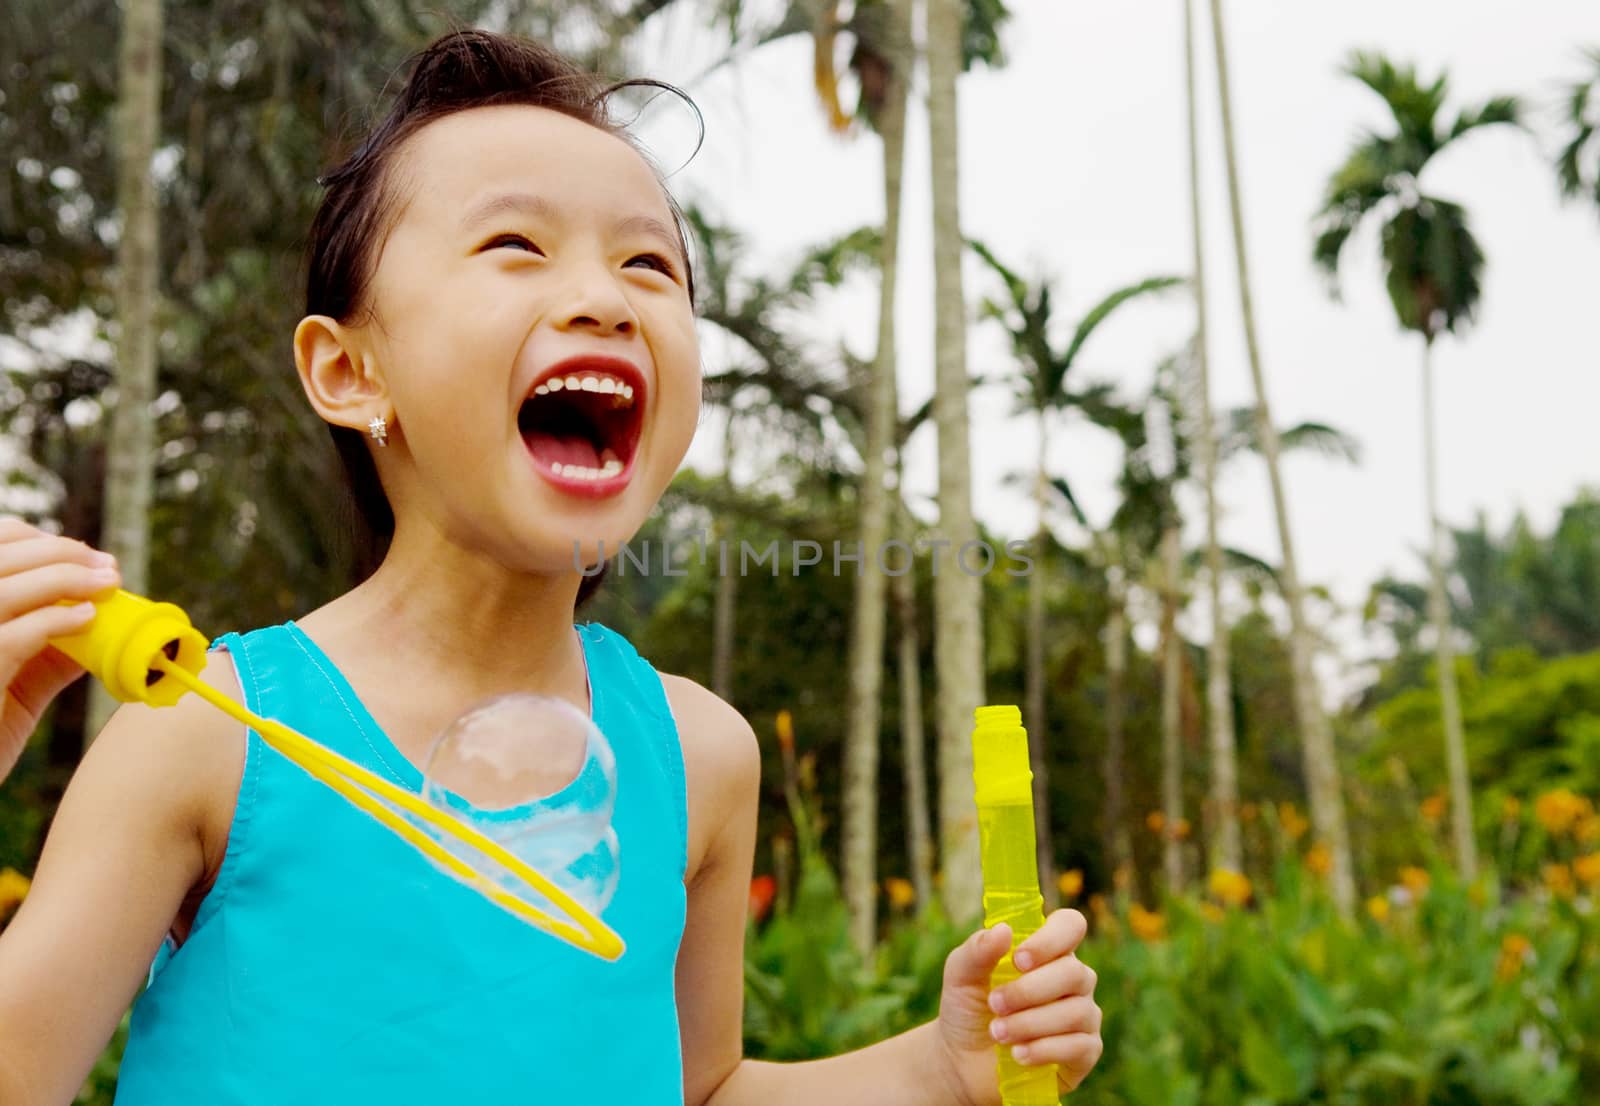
<point x="38" y="571"/>
<point x="1048" y="1016"/>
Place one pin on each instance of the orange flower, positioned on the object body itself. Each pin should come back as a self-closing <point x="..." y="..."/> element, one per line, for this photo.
<point x="763" y="889"/>
<point x="1558" y="878"/>
<point x="1433" y="808"/>
<point x="1070" y="883"/>
<point x="1514" y="950"/>
<point x="1180" y="829"/>
<point x="1156" y="821"/>
<point x="1319" y="859"/>
<point x="1147" y="925"/>
<point x="1416" y="880"/>
<point x="1211" y="912"/>
<point x="1248" y="812"/>
<point x="13" y="889"/>
<point x="1587" y="868"/>
<point x="1510" y="808"/>
<point x="1587" y="829"/>
<point x="1559" y="810"/>
<point x="901" y="893"/>
<point x="1293" y="822"/>
<point x="1378" y="907"/>
<point x="785" y="730"/>
<point x="1229" y="887"/>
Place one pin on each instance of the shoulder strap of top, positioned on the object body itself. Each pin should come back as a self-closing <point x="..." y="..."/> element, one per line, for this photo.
<point x="615" y="661"/>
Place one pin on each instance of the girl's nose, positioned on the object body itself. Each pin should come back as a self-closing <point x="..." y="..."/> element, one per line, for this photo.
<point x="597" y="304"/>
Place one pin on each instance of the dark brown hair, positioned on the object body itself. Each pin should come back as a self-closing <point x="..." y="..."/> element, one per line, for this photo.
<point x="456" y="72"/>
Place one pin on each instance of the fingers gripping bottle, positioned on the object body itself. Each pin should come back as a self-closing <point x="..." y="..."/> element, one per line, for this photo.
<point x="1004" y="786"/>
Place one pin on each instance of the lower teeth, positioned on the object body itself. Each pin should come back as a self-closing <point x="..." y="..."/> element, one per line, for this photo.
<point x="583" y="472"/>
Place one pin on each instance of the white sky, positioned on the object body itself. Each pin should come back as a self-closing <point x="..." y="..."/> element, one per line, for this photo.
<point x="1073" y="164"/>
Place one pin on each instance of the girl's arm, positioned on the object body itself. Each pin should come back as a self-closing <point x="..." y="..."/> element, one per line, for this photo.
<point x="1050" y="1010"/>
<point x="722" y="762"/>
<point x="140" y="826"/>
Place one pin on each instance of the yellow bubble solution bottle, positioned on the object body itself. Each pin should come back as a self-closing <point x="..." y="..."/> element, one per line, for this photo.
<point x="1004" y="786"/>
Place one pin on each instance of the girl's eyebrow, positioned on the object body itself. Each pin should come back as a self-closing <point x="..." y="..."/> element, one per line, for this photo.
<point x="507" y="203"/>
<point x="526" y="203"/>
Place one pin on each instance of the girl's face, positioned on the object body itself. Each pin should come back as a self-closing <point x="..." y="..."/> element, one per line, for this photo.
<point x="532" y="324"/>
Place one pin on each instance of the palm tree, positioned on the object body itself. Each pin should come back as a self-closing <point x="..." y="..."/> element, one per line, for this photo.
<point x="1232" y="435"/>
<point x="1433" y="268"/>
<point x="958" y="597"/>
<point x="886" y="53"/>
<point x="1325" y="793"/>
<point x="1578" y="164"/>
<point x="130" y="454"/>
<point x="1027" y="314"/>
<point x="1225" y="848"/>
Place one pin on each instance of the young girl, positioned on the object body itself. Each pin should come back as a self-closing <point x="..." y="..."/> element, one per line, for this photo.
<point x="499" y="328"/>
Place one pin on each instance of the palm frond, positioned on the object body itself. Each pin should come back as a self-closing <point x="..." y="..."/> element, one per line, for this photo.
<point x="1321" y="438"/>
<point x="1064" y="490"/>
<point x="1498" y="110"/>
<point x="828" y="265"/>
<point x="1356" y="188"/>
<point x="1100" y="311"/>
<point x="1433" y="266"/>
<point x="1576" y="178"/>
<point x="1415" y="106"/>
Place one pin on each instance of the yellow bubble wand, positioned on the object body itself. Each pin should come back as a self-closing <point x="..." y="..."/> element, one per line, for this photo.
<point x="148" y="652"/>
<point x="1003" y="783"/>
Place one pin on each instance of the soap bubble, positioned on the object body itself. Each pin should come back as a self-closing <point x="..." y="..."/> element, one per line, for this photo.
<point x="535" y="775"/>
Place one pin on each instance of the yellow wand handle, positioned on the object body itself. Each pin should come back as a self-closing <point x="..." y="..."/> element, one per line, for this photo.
<point x="1004" y="790"/>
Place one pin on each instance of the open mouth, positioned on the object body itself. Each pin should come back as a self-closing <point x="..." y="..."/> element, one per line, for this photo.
<point x="581" y="424"/>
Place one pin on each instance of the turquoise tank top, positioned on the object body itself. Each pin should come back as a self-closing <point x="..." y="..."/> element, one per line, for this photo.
<point x="331" y="963"/>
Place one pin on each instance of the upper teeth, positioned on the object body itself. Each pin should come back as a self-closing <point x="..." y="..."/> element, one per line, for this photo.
<point x="600" y="383"/>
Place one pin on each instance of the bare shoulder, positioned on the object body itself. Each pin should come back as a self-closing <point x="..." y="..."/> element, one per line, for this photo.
<point x="180" y="763"/>
<point x="721" y="762"/>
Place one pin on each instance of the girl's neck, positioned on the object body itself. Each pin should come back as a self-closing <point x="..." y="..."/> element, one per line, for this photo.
<point x="472" y="626"/>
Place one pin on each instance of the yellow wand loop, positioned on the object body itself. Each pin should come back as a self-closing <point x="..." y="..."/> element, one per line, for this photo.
<point x="1004" y="787"/>
<point x="148" y="652"/>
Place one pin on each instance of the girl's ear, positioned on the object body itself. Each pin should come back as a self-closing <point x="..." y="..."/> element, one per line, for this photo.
<point x="338" y="380"/>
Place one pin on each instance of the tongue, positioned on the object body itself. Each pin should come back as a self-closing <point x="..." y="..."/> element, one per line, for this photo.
<point x="567" y="449"/>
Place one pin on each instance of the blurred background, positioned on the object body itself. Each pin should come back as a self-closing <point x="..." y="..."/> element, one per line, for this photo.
<point x="1270" y="329"/>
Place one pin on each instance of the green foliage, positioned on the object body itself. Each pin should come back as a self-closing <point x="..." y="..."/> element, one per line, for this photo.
<point x="1578" y="162"/>
<point x="1531" y="726"/>
<point x="1289" y="1005"/>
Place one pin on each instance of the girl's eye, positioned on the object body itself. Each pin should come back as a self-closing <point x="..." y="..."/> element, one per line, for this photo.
<point x="512" y="241"/>
<point x="659" y="263"/>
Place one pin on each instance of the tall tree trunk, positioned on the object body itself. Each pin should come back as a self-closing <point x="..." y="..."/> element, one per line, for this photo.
<point x="919" y="826"/>
<point x="130" y="455"/>
<point x="723" y="620"/>
<point x="958" y="597"/>
<point x="860" y="832"/>
<point x="1455" y="745"/>
<point x="1321" y="766"/>
<point x="726" y="602"/>
<point x="1038" y="729"/>
<point x="1171" y="712"/>
<point x="1118" y="852"/>
<point x="1224" y="845"/>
